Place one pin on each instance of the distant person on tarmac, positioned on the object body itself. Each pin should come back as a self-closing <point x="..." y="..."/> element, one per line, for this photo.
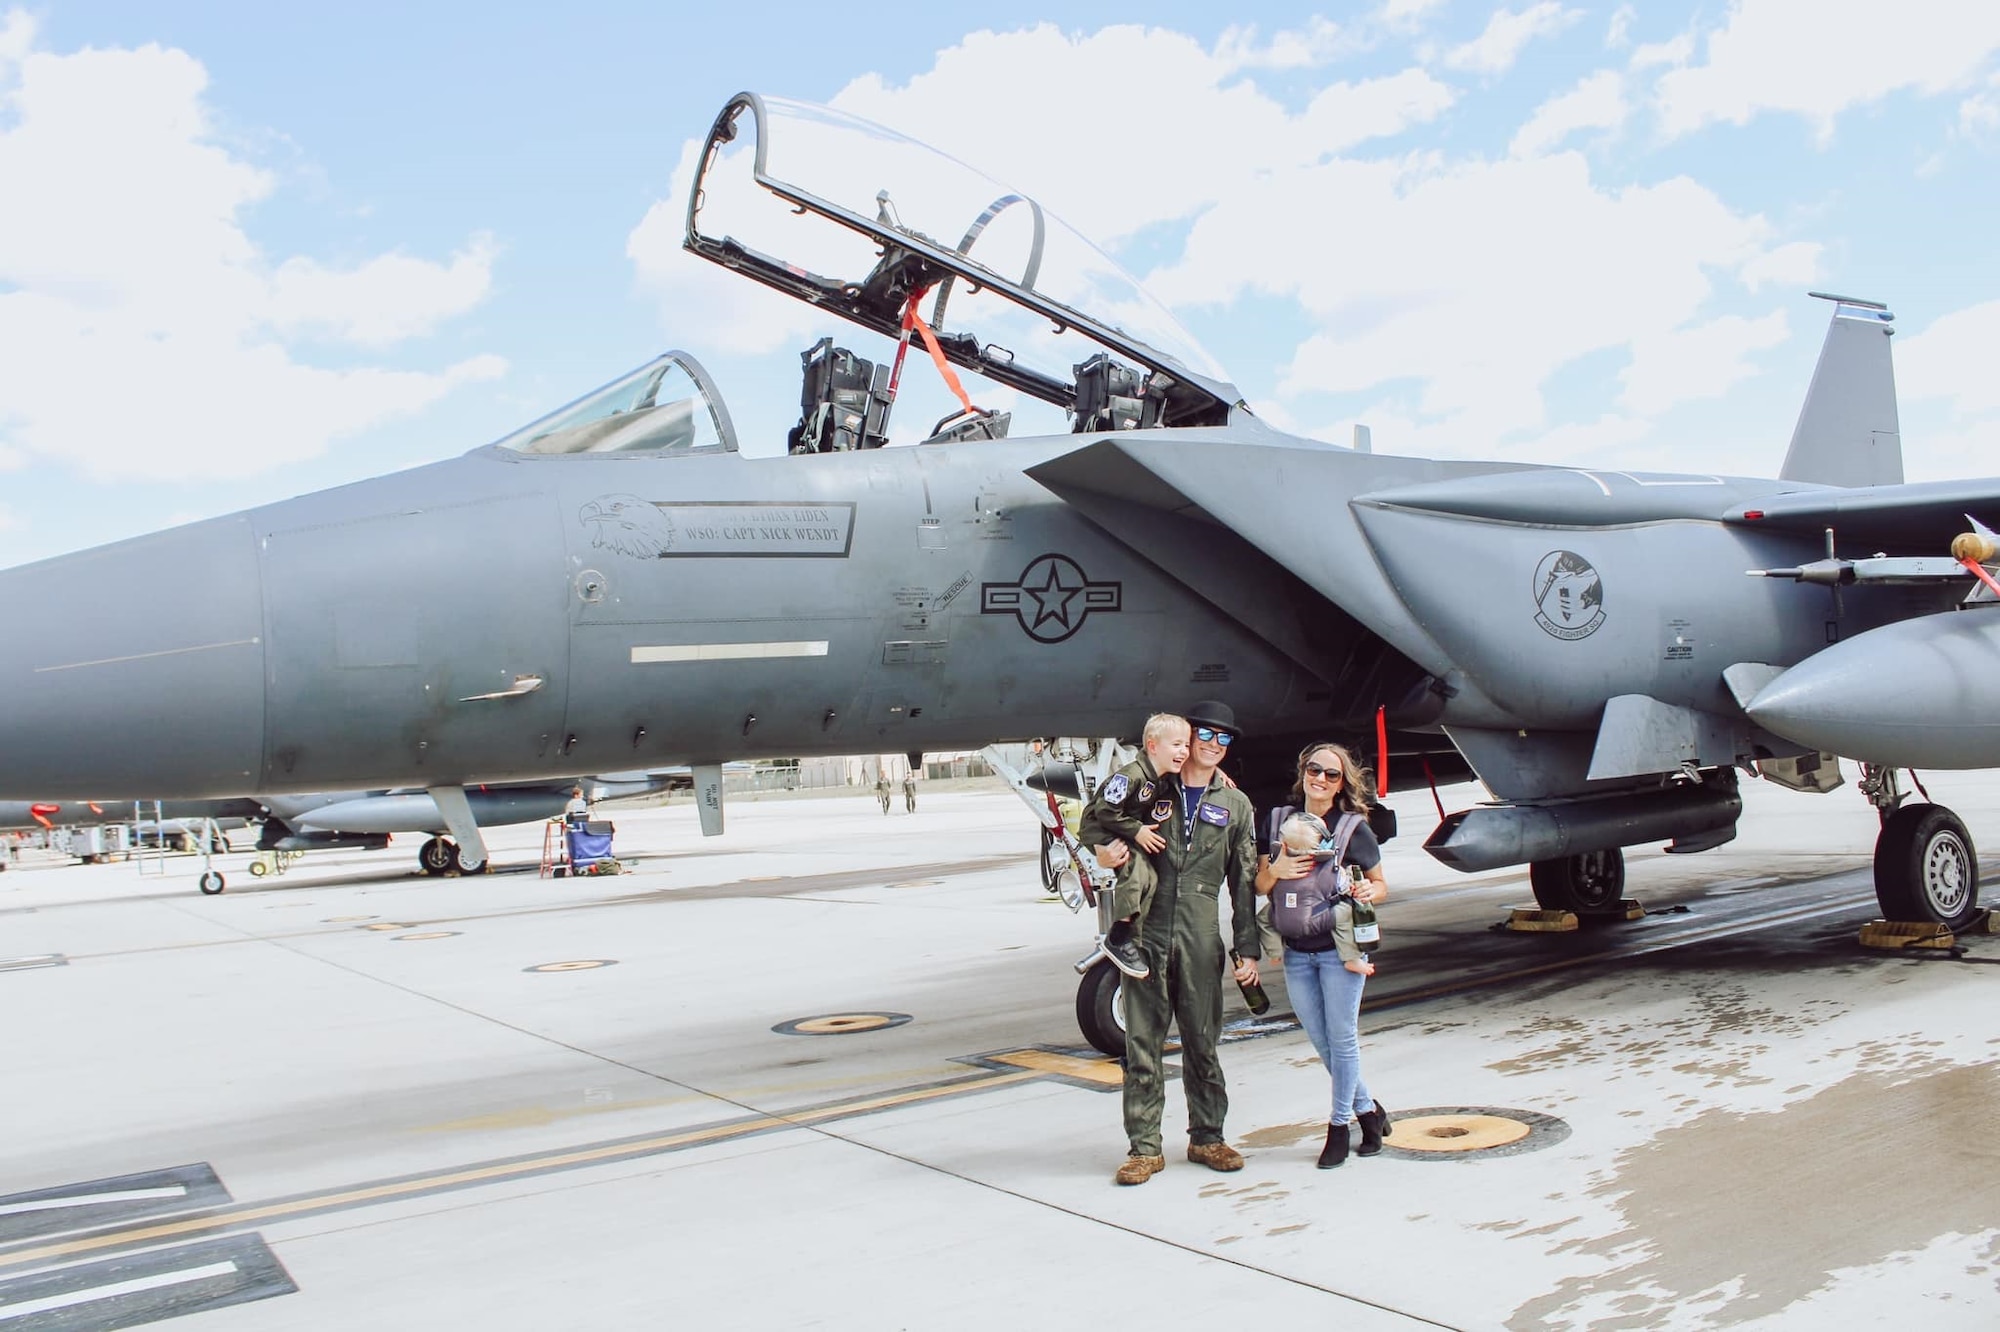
<point x="882" y="791"/>
<point x="578" y="809"/>
<point x="910" y="791"/>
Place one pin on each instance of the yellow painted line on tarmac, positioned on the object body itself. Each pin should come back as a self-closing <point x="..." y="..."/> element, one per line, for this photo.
<point x="1104" y="1071"/>
<point x="497" y="1172"/>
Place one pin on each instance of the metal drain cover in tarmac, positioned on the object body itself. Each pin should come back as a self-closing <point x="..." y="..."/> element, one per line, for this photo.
<point x="840" y="1024"/>
<point x="1470" y="1132"/>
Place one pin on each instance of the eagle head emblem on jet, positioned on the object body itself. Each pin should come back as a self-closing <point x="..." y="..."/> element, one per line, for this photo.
<point x="628" y="525"/>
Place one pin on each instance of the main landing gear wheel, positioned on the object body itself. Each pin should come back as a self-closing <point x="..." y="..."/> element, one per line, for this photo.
<point x="1926" y="868"/>
<point x="1100" y="1007"/>
<point x="438" y="856"/>
<point x="210" y="883"/>
<point x="1592" y="884"/>
<point x="1055" y="859"/>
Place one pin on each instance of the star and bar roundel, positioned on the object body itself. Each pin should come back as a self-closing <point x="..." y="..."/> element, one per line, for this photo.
<point x="1051" y="598"/>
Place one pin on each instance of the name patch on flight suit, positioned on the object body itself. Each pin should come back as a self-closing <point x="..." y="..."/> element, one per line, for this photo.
<point x="1214" y="814"/>
<point x="1162" y="811"/>
<point x="1115" y="789"/>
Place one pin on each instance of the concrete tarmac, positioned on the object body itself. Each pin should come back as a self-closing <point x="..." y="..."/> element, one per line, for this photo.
<point x="823" y="1071"/>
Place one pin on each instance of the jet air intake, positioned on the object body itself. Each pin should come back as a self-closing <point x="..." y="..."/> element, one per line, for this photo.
<point x="1491" y="836"/>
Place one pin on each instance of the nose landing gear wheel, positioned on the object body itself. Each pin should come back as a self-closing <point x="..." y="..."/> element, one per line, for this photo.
<point x="438" y="856"/>
<point x="210" y="883"/>
<point x="1100" y="1007"/>
<point x="1592" y="884"/>
<point x="1926" y="868"/>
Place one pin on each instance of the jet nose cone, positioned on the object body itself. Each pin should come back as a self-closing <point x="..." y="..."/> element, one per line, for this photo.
<point x="135" y="670"/>
<point x="1922" y="693"/>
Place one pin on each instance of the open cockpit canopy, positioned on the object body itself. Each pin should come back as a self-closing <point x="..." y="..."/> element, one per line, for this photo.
<point x="922" y="244"/>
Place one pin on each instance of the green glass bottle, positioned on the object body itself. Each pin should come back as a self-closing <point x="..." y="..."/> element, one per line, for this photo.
<point x="1253" y="991"/>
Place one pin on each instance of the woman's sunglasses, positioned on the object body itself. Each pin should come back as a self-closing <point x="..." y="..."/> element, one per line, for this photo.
<point x="1209" y="735"/>
<point x="1331" y="774"/>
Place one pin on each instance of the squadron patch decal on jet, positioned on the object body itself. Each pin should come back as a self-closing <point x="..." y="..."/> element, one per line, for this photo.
<point x="1570" y="596"/>
<point x="1052" y="598"/>
<point x="657" y="529"/>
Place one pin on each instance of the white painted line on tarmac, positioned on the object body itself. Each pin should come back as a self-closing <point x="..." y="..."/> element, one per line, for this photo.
<point x="92" y="1199"/>
<point x="92" y="1294"/>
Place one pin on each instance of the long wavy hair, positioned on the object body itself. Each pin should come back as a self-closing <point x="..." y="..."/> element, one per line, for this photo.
<point x="1357" y="785"/>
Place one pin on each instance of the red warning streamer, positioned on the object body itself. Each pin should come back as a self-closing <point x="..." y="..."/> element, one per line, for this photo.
<point x="1381" y="752"/>
<point x="1978" y="570"/>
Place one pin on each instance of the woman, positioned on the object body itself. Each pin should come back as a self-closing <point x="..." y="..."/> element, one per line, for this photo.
<point x="1326" y="996"/>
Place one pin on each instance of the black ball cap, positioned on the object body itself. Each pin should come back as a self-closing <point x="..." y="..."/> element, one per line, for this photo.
<point x="1210" y="713"/>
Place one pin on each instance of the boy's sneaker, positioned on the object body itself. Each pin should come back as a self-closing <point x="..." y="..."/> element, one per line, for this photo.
<point x="1125" y="956"/>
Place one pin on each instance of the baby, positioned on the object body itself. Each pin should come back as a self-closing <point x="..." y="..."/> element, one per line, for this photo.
<point x="1304" y="834"/>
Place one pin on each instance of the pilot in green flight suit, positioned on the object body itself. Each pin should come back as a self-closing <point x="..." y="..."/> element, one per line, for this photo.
<point x="1211" y="842"/>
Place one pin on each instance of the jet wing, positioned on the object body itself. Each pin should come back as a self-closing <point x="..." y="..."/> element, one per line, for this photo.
<point x="1260" y="527"/>
<point x="1917" y="518"/>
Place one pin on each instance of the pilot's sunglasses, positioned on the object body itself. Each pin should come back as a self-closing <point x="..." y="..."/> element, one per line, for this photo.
<point x="1209" y="735"/>
<point x="1314" y="770"/>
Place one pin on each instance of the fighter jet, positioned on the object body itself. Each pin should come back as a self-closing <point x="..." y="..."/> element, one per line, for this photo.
<point x="325" y="820"/>
<point x="616" y="586"/>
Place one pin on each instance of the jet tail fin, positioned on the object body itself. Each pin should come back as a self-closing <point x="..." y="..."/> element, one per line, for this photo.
<point x="1847" y="433"/>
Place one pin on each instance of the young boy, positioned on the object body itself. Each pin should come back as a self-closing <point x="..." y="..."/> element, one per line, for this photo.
<point x="1131" y="806"/>
<point x="1303" y="834"/>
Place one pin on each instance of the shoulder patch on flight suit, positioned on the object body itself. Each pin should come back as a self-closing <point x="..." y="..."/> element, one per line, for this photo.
<point x="1215" y="814"/>
<point x="1115" y="789"/>
<point x="1145" y="792"/>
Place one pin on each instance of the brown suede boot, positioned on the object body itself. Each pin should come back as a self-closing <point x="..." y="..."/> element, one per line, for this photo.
<point x="1138" y="1169"/>
<point x="1215" y="1155"/>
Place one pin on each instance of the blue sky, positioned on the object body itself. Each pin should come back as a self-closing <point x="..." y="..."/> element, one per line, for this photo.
<point x="247" y="252"/>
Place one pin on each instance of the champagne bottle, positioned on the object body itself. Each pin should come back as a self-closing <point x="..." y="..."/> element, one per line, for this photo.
<point x="1253" y="991"/>
<point x="1367" y="930"/>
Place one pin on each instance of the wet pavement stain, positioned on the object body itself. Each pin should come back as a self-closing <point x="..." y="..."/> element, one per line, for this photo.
<point x="1725" y="1018"/>
<point x="1893" y="1159"/>
<point x="1284" y="1135"/>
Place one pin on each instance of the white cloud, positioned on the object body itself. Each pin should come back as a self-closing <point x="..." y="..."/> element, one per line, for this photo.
<point x="1507" y="34"/>
<point x="1317" y="43"/>
<point x="1817" y="58"/>
<point x="138" y="320"/>
<point x="1476" y="280"/>
<point x="1979" y="114"/>
<point x="1406" y="13"/>
<point x="1598" y="102"/>
<point x="1953" y="359"/>
<point x="1619" y="34"/>
<point x="385" y="300"/>
<point x="1701" y="361"/>
<point x="1793" y="265"/>
<point x="8" y="520"/>
<point x="1675" y="51"/>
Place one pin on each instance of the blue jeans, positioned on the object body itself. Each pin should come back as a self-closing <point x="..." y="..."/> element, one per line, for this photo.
<point x="1327" y="998"/>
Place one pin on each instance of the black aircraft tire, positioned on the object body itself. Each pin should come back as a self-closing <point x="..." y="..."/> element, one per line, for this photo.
<point x="437" y="856"/>
<point x="1100" y="1010"/>
<point x="1926" y="868"/>
<point x="1592" y="884"/>
<point x="210" y="884"/>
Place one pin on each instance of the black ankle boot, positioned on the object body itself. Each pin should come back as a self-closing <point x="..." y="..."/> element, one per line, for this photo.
<point x="1374" y="1128"/>
<point x="1335" y="1151"/>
